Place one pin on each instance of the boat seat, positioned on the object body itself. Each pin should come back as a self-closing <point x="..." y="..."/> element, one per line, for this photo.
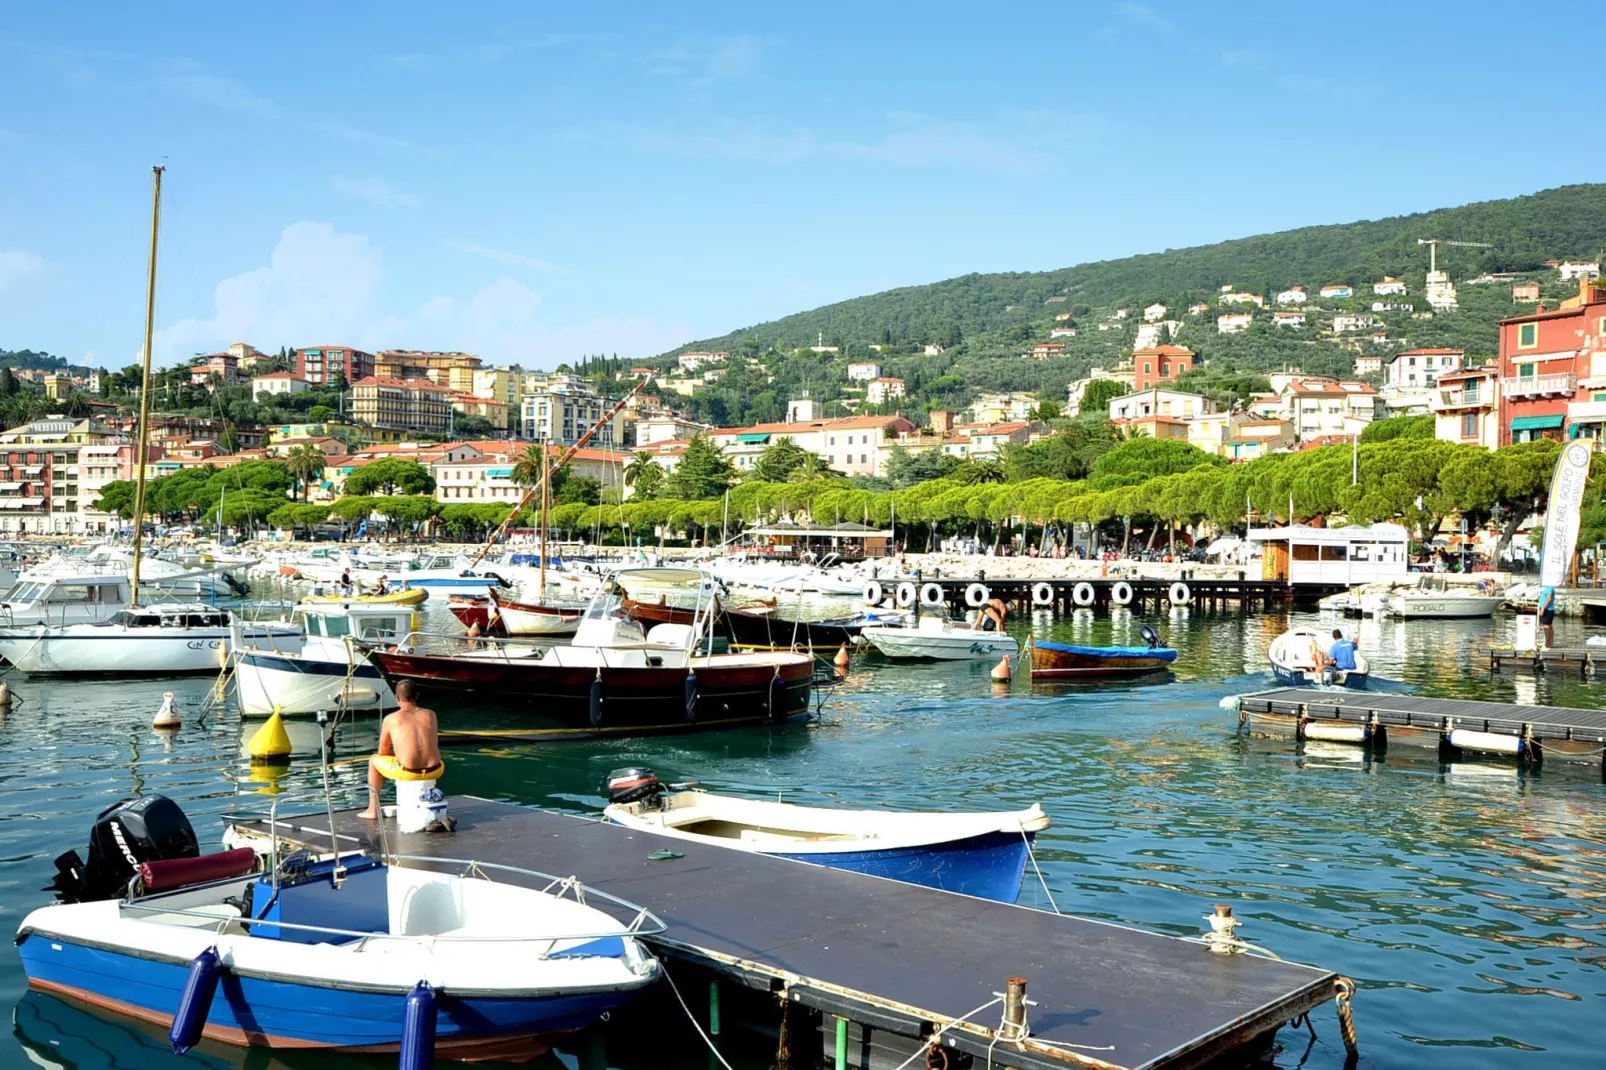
<point x="167" y="874"/>
<point x="675" y="635"/>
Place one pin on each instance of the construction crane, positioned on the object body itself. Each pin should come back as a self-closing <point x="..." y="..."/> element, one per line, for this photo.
<point x="1433" y="248"/>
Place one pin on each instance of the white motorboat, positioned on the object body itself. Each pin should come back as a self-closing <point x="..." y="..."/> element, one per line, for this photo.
<point x="536" y="619"/>
<point x="936" y="639"/>
<point x="1435" y="597"/>
<point x="43" y="597"/>
<point x="331" y="671"/>
<point x="444" y="575"/>
<point x="154" y="640"/>
<point x="981" y="854"/>
<point x="1298" y="658"/>
<point x="352" y="954"/>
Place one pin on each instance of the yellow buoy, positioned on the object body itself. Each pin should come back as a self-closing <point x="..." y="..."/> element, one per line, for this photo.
<point x="271" y="740"/>
<point x="167" y="716"/>
<point x="1001" y="670"/>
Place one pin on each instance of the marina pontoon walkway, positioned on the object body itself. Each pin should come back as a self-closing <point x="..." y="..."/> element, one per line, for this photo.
<point x="896" y="958"/>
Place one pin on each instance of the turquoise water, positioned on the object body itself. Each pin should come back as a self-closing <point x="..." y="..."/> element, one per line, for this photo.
<point x="1468" y="901"/>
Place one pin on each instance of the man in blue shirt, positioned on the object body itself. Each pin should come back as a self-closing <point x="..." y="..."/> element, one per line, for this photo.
<point x="1341" y="655"/>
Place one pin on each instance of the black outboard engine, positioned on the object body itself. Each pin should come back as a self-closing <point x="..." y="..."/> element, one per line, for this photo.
<point x="1150" y="636"/>
<point x="150" y="828"/>
<point x="635" y="784"/>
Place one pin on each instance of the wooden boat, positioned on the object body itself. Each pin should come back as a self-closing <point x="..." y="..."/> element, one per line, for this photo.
<point x="978" y="854"/>
<point x="614" y="677"/>
<point x="1296" y="660"/>
<point x="1064" y="660"/>
<point x="474" y="611"/>
<point x="393" y="598"/>
<point x="651" y="610"/>
<point x="341" y="954"/>
<point x="534" y="618"/>
<point x="764" y="629"/>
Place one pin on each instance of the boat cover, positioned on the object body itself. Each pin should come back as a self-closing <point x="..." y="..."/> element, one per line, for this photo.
<point x="1165" y="653"/>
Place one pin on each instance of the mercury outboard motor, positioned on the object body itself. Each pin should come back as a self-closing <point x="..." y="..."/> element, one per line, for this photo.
<point x="150" y="828"/>
<point x="1150" y="636"/>
<point x="633" y="785"/>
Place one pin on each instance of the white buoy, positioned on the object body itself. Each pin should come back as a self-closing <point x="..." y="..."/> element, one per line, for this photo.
<point x="167" y="716"/>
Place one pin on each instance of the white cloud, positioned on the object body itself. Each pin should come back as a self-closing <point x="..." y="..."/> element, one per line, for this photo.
<point x="378" y="192"/>
<point x="1144" y="16"/>
<point x="18" y="265"/>
<point x="325" y="286"/>
<point x="710" y="59"/>
<point x="504" y="256"/>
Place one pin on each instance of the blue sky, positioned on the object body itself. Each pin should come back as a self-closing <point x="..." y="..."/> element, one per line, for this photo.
<point x="532" y="182"/>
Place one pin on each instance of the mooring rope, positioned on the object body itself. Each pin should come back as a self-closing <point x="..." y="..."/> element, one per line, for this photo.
<point x="695" y="1024"/>
<point x="1031" y="854"/>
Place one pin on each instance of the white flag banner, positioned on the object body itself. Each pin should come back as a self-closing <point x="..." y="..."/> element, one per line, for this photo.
<point x="1563" y="513"/>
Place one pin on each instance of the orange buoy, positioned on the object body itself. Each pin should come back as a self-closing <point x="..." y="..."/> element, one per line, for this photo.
<point x="1001" y="671"/>
<point x="841" y="662"/>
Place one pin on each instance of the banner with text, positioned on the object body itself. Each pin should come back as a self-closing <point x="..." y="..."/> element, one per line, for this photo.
<point x="1563" y="513"/>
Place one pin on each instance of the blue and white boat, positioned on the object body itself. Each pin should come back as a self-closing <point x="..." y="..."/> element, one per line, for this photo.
<point x="1297" y="658"/>
<point x="979" y="854"/>
<point x="331" y="671"/>
<point x="351" y="954"/>
<point x="1052" y="661"/>
<point x="444" y="575"/>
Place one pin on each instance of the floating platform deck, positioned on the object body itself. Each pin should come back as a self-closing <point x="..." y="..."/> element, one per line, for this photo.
<point x="1583" y="659"/>
<point x="1066" y="595"/>
<point x="1452" y="726"/>
<point x="890" y="964"/>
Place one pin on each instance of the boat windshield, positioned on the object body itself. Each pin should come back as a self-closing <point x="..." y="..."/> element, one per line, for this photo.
<point x="382" y="627"/>
<point x="23" y="592"/>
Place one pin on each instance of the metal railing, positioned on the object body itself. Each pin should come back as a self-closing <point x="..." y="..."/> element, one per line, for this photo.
<point x="1527" y="386"/>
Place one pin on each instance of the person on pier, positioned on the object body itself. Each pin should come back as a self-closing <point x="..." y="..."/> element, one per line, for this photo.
<point x="409" y="754"/>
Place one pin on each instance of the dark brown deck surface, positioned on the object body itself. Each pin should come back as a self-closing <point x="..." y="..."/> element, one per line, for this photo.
<point x="1548" y="722"/>
<point x="892" y="954"/>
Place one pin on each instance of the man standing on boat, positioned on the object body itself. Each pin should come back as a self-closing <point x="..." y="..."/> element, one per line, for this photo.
<point x="345" y="582"/>
<point x="409" y="748"/>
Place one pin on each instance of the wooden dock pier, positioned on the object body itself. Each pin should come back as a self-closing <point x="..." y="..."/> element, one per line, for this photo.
<point x="1581" y="659"/>
<point x="947" y="593"/>
<point x="1453" y="727"/>
<point x="859" y="968"/>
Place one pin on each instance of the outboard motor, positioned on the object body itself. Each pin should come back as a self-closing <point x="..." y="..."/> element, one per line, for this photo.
<point x="633" y="785"/>
<point x="150" y="828"/>
<point x="1150" y="636"/>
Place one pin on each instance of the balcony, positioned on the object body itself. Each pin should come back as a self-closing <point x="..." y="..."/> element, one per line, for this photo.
<point x="1538" y="386"/>
<point x="1451" y="400"/>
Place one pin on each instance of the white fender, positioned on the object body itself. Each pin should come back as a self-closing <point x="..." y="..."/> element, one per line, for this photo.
<point x="1121" y="593"/>
<point x="931" y="594"/>
<point x="1043" y="594"/>
<point x="905" y="595"/>
<point x="1180" y="595"/>
<point x="1082" y="594"/>
<point x="976" y="596"/>
<point x="873" y="593"/>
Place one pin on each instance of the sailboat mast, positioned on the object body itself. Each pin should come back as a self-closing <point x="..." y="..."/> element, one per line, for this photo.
<point x="145" y="387"/>
<point x="546" y="498"/>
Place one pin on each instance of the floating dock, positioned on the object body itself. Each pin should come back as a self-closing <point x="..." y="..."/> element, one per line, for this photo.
<point x="869" y="969"/>
<point x="1451" y="726"/>
<point x="1066" y="595"/>
<point x="1582" y="659"/>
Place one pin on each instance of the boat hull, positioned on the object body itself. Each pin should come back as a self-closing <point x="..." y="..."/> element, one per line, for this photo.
<point x="556" y="701"/>
<point x="1055" y="660"/>
<point x="915" y="644"/>
<point x="142" y="652"/>
<point x="765" y="631"/>
<point x="259" y="1011"/>
<point x="475" y="612"/>
<point x="297" y="684"/>
<point x="521" y="618"/>
<point x="1291" y="664"/>
<point x="989" y="866"/>
<point x="1443" y="608"/>
<point x="410" y="597"/>
<point x="650" y="613"/>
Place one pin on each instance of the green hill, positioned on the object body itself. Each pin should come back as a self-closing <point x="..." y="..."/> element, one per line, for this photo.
<point x="986" y="322"/>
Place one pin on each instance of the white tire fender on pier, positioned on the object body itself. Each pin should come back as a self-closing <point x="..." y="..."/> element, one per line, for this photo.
<point x="873" y="593"/>
<point x="1180" y="595"/>
<point x="905" y="595"/>
<point x="931" y="594"/>
<point x="1121" y="593"/>
<point x="976" y="596"/>
<point x="1082" y="594"/>
<point x="1042" y="594"/>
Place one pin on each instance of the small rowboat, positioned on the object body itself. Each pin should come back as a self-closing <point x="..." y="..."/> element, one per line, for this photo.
<point x="475" y="611"/>
<point x="1296" y="660"/>
<point x="935" y="639"/>
<point x="1064" y="660"/>
<point x="979" y="854"/>
<point x="655" y="609"/>
<point x="535" y="618"/>
<point x="394" y="598"/>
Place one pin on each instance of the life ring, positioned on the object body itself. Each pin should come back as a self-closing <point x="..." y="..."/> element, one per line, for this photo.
<point x="391" y="769"/>
<point x="1121" y="593"/>
<point x="932" y="594"/>
<point x="873" y="593"/>
<point x="1043" y="594"/>
<point x="976" y="596"/>
<point x="906" y="595"/>
<point x="1180" y="595"/>
<point x="1082" y="594"/>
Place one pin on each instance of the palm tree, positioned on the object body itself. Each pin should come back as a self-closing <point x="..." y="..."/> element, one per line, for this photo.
<point x="644" y="474"/>
<point x="530" y="467"/>
<point x="988" y="471"/>
<point x="305" y="463"/>
<point x="812" y="467"/>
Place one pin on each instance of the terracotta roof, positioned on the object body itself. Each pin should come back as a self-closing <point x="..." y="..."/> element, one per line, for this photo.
<point x="1164" y="351"/>
<point x="412" y="384"/>
<point x="838" y="423"/>
<point x="281" y="375"/>
<point x="1431" y="353"/>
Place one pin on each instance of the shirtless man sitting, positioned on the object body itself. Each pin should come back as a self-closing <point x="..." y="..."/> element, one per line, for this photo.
<point x="409" y="739"/>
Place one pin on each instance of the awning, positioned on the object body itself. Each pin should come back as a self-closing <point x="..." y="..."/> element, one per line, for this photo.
<point x="755" y="437"/>
<point x="500" y="473"/>
<point x="1538" y="423"/>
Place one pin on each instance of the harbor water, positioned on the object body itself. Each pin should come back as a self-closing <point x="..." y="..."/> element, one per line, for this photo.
<point x="1467" y="900"/>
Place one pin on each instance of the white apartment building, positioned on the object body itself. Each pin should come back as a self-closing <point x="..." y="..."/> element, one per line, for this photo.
<point x="882" y="390"/>
<point x="1294" y="295"/>
<point x="862" y="371"/>
<point x="1159" y="402"/>
<point x="278" y="383"/>
<point x="563" y="412"/>
<point x="1417" y="369"/>
<point x="1318" y="407"/>
<point x="1466" y="407"/>
<point x="1233" y="322"/>
<point x="849" y="444"/>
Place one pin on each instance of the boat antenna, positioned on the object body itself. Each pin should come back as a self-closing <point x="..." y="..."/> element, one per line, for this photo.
<point x="145" y="387"/>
